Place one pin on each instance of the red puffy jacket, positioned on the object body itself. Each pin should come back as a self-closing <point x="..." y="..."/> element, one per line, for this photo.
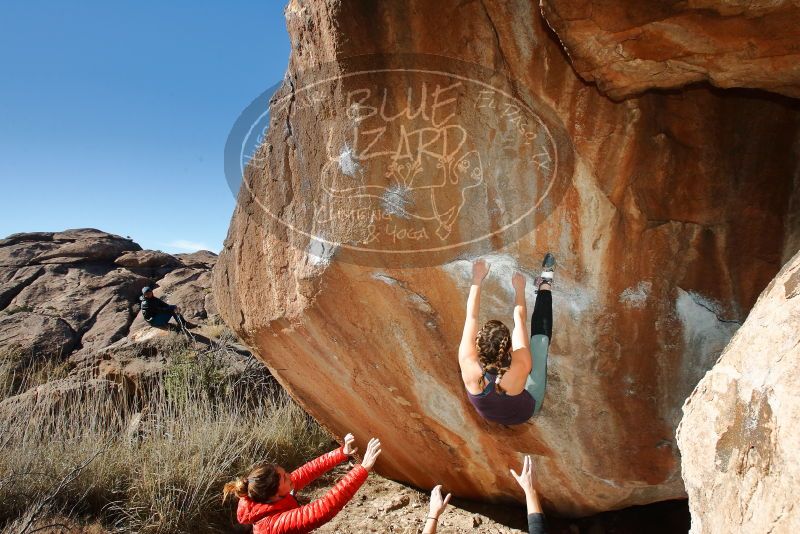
<point x="286" y="516"/>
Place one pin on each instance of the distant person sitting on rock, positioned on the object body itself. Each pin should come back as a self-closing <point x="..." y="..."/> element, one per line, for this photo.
<point x="157" y="312"/>
<point x="435" y="509"/>
<point x="496" y="365"/>
<point x="536" y="523"/>
<point x="266" y="494"/>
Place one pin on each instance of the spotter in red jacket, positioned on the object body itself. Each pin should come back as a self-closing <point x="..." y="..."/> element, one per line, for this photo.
<point x="286" y="516"/>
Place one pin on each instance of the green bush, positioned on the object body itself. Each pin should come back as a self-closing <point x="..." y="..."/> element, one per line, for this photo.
<point x="195" y="370"/>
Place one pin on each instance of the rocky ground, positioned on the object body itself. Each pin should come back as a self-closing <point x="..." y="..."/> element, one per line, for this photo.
<point x="383" y="506"/>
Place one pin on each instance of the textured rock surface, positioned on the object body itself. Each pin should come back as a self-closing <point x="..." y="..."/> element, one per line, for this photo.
<point x="628" y="46"/>
<point x="738" y="436"/>
<point x="36" y="335"/>
<point x="672" y="220"/>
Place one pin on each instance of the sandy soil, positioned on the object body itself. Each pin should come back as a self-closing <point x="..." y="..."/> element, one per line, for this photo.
<point x="384" y="506"/>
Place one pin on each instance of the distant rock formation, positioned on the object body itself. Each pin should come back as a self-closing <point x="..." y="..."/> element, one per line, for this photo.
<point x="78" y="290"/>
<point x="673" y="211"/>
<point x="69" y="301"/>
<point x="738" y="436"/>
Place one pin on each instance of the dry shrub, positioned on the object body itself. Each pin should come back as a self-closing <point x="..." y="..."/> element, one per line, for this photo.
<point x="20" y="371"/>
<point x="155" y="463"/>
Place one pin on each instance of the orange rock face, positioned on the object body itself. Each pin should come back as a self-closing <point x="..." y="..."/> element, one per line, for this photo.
<point x="347" y="259"/>
<point x="628" y="46"/>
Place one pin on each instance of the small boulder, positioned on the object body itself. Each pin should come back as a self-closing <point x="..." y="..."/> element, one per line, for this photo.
<point x="147" y="259"/>
<point x="131" y="373"/>
<point x="36" y="335"/>
<point x="204" y="259"/>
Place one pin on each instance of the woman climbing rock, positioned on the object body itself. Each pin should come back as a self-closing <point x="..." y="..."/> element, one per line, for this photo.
<point x="504" y="372"/>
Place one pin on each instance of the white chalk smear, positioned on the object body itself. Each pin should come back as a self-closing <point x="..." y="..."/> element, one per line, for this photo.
<point x="705" y="333"/>
<point x="397" y="200"/>
<point x="636" y="297"/>
<point x="347" y="163"/>
<point x="320" y="253"/>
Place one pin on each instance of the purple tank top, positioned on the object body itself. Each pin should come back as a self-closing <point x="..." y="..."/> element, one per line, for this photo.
<point x="500" y="408"/>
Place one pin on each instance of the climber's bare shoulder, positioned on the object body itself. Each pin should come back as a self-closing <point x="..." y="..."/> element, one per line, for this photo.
<point x="513" y="381"/>
<point x="471" y="372"/>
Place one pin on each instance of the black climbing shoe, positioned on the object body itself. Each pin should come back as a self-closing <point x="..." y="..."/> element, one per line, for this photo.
<point x="549" y="262"/>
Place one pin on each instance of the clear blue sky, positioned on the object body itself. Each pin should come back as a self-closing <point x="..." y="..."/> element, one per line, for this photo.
<point x="114" y="115"/>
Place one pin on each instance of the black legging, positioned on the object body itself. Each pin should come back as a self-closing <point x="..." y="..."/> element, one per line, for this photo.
<point x="542" y="318"/>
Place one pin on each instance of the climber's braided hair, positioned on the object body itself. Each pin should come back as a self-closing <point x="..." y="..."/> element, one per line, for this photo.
<point x="494" y="350"/>
<point x="260" y="484"/>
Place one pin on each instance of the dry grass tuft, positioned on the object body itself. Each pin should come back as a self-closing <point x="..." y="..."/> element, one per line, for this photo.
<point x="153" y="463"/>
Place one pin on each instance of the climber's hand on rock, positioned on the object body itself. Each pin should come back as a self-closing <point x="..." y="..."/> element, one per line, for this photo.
<point x="479" y="271"/>
<point x="349" y="441"/>
<point x="525" y="478"/>
<point x="373" y="451"/>
<point x="518" y="282"/>
<point x="438" y="504"/>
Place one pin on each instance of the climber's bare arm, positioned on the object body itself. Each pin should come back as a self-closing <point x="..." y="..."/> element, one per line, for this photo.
<point x="514" y="380"/>
<point x="519" y="337"/>
<point x="467" y="351"/>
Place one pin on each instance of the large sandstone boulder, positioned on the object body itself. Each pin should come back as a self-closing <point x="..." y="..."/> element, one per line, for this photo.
<point x="667" y="213"/>
<point x="629" y="46"/>
<point x="738" y="438"/>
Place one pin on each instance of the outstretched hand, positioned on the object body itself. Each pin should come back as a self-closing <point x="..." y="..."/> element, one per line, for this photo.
<point x="349" y="441"/>
<point x="479" y="271"/>
<point x="525" y="478"/>
<point x="371" y="456"/>
<point x="518" y="282"/>
<point x="438" y="504"/>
